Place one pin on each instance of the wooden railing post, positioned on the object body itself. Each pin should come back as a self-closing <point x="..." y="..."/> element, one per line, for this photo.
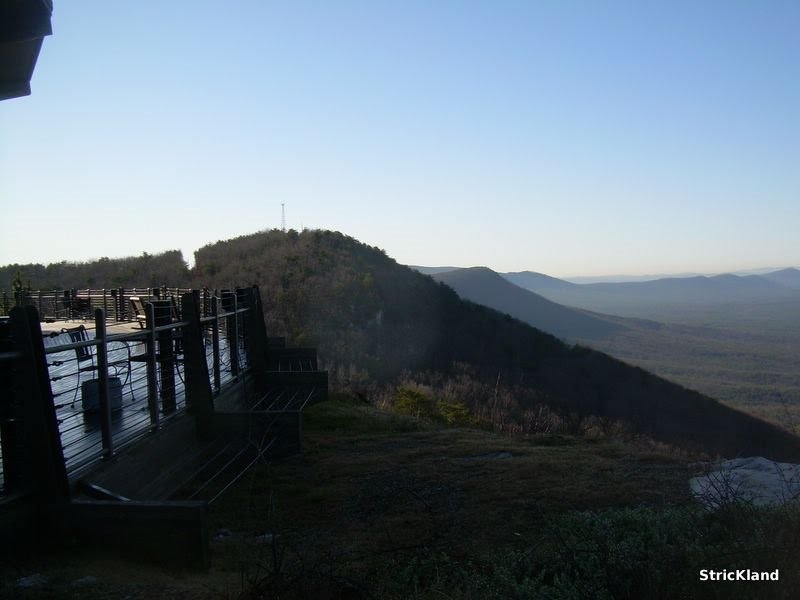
<point x="152" y="381"/>
<point x="233" y="336"/>
<point x="166" y="358"/>
<point x="44" y="469"/>
<point x="215" y="343"/>
<point x="102" y="380"/>
<point x="115" y="303"/>
<point x="257" y="342"/>
<point x="199" y="399"/>
<point x="122" y="312"/>
<point x="72" y="297"/>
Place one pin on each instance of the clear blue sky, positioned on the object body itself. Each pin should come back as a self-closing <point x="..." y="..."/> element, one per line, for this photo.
<point x="572" y="138"/>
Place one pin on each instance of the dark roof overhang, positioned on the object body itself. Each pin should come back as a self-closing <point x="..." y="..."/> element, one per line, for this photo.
<point x="23" y="26"/>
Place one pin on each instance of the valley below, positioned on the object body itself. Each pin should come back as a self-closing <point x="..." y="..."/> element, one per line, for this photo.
<point x="755" y="370"/>
<point x="742" y="350"/>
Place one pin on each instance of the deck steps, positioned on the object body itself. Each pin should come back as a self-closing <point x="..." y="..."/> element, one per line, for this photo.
<point x="174" y="465"/>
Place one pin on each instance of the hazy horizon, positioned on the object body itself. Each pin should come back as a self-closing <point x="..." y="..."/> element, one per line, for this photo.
<point x="188" y="257"/>
<point x="619" y="277"/>
<point x="582" y="138"/>
<point x="575" y="278"/>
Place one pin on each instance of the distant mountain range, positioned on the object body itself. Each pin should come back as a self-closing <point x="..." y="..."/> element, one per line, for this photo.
<point x="790" y="273"/>
<point x="650" y="277"/>
<point x="538" y="282"/>
<point x="744" y="348"/>
<point x="629" y="298"/>
<point x="789" y="278"/>
<point x="484" y="286"/>
<point x="636" y="298"/>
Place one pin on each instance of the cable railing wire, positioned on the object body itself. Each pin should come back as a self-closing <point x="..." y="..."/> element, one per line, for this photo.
<point x="131" y="419"/>
<point x="113" y="387"/>
<point x="80" y="304"/>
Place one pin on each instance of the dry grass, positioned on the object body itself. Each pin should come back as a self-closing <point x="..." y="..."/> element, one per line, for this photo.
<point x="370" y="485"/>
<point x="374" y="485"/>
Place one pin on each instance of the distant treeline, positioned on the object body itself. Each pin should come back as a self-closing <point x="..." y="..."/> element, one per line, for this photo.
<point x="167" y="268"/>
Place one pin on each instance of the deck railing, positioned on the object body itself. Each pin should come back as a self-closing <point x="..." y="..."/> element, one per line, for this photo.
<point x="113" y="382"/>
<point x="72" y="399"/>
<point x="80" y="304"/>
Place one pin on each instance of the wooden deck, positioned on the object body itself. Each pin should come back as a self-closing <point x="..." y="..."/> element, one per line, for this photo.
<point x="80" y="427"/>
<point x="125" y="434"/>
<point x="132" y="418"/>
<point x="146" y="393"/>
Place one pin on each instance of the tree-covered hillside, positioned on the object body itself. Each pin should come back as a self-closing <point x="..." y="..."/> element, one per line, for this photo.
<point x="362" y="308"/>
<point x="371" y="316"/>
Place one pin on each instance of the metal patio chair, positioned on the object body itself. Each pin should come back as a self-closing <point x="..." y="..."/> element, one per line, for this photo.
<point x="85" y="357"/>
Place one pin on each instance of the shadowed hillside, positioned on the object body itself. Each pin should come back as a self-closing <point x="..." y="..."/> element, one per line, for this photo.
<point x="751" y="366"/>
<point x="538" y="282"/>
<point x="484" y="286"/>
<point x="369" y="315"/>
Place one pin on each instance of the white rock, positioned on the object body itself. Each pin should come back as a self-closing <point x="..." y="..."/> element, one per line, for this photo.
<point x="753" y="479"/>
<point x="32" y="581"/>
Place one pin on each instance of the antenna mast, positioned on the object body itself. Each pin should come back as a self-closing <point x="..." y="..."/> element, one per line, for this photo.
<point x="283" y="217"/>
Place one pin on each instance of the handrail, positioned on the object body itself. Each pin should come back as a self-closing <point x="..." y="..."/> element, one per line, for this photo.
<point x="163" y="392"/>
<point x="106" y="386"/>
<point x="69" y="303"/>
<point x="116" y="337"/>
<point x="137" y="335"/>
<point x="230" y="313"/>
<point x="131" y="336"/>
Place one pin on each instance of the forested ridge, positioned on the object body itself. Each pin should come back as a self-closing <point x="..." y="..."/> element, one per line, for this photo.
<point x="384" y="329"/>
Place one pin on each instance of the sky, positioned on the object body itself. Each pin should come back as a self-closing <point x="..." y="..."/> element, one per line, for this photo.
<point x="566" y="137"/>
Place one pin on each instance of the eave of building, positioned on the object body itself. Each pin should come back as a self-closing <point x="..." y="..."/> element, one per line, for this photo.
<point x="23" y="26"/>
